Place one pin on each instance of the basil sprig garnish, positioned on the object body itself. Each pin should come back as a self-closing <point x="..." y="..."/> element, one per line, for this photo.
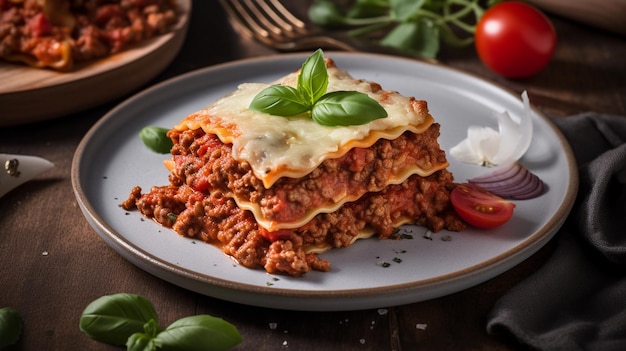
<point x="337" y="108"/>
<point x="131" y="320"/>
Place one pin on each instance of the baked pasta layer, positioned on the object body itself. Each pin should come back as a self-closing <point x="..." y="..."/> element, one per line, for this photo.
<point x="204" y="163"/>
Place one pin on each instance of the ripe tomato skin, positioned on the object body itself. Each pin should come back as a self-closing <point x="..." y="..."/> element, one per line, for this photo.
<point x="515" y="39"/>
<point x="480" y="208"/>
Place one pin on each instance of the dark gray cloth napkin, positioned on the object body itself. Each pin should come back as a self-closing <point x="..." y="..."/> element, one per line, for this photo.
<point x="577" y="299"/>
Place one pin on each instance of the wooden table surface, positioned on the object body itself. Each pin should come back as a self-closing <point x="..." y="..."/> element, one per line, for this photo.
<point x="52" y="263"/>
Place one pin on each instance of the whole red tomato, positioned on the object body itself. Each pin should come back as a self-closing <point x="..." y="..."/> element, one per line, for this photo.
<point x="515" y="39"/>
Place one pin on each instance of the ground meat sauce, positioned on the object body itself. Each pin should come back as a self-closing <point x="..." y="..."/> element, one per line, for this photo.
<point x="204" y="162"/>
<point x="39" y="32"/>
<point x="198" y="201"/>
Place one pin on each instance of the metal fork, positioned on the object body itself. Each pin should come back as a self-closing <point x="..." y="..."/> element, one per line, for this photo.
<point x="270" y="23"/>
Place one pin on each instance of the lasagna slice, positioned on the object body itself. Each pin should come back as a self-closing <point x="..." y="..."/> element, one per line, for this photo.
<point x="274" y="192"/>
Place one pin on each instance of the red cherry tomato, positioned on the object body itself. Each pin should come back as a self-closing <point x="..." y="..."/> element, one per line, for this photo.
<point x="480" y="208"/>
<point x="515" y="39"/>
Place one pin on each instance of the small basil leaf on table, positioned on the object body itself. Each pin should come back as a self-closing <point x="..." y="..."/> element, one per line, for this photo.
<point x="198" y="333"/>
<point x="155" y="138"/>
<point x="344" y="108"/>
<point x="114" y="318"/>
<point x="144" y="341"/>
<point x="10" y="327"/>
<point x="141" y="342"/>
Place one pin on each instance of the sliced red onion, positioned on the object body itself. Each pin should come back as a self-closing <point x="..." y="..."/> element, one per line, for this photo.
<point x="514" y="182"/>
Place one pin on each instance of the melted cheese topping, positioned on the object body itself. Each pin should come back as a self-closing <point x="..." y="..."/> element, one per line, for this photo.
<point x="278" y="147"/>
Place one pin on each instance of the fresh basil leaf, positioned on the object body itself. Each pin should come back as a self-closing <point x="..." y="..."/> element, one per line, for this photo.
<point x="279" y="100"/>
<point x="337" y="108"/>
<point x="144" y="341"/>
<point x="403" y="10"/>
<point x="10" y="327"/>
<point x="313" y="77"/>
<point x="199" y="333"/>
<point x="114" y="318"/>
<point x="155" y="138"/>
<point x="419" y="37"/>
<point x="326" y="13"/>
<point x="141" y="342"/>
<point x="369" y="8"/>
<point x="375" y="19"/>
<point x="343" y="108"/>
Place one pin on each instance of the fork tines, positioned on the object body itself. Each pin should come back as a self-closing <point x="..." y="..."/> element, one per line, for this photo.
<point x="266" y="20"/>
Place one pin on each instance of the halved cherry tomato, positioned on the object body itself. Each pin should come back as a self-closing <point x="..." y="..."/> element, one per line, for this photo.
<point x="515" y="39"/>
<point x="480" y="208"/>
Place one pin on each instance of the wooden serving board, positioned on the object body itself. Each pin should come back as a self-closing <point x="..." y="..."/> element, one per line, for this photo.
<point x="30" y="94"/>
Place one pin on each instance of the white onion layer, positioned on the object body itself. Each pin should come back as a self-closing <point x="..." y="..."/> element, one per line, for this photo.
<point x="488" y="147"/>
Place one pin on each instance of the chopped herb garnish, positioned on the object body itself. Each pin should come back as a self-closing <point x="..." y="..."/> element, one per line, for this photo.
<point x="337" y="108"/>
<point x="172" y="216"/>
<point x="397" y="260"/>
<point x="384" y="264"/>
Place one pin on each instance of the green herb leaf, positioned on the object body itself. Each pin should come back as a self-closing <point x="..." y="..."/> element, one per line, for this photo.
<point x="326" y="13"/>
<point x="343" y="108"/>
<point x="405" y="24"/>
<point x="369" y="9"/>
<point x="280" y="100"/>
<point x="10" y="327"/>
<point x="313" y="77"/>
<point x="155" y="138"/>
<point x="403" y="10"/>
<point x="144" y="341"/>
<point x="338" y="108"/>
<point x="141" y="342"/>
<point x="419" y="37"/>
<point x="199" y="333"/>
<point x="114" y="318"/>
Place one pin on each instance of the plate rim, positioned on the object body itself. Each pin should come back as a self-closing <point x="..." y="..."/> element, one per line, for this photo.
<point x="505" y="260"/>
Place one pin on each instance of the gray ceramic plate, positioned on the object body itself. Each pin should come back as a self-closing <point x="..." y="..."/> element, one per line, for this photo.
<point x="111" y="159"/>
